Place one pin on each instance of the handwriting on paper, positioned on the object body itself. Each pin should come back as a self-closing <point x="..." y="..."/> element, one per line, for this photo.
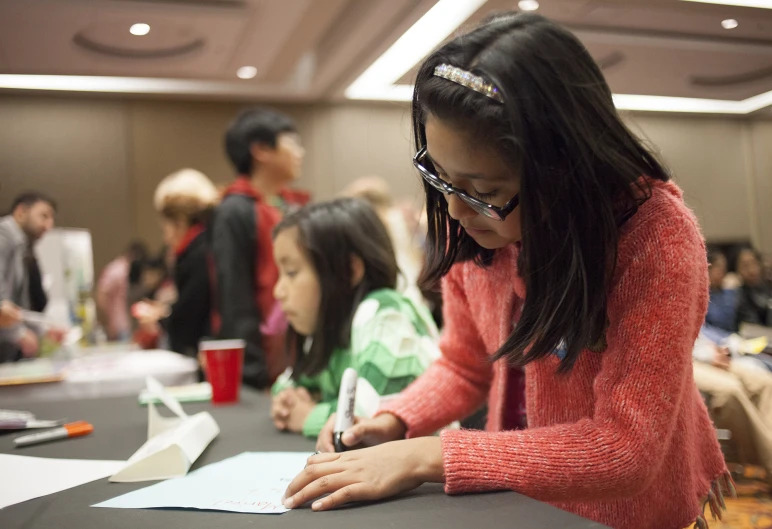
<point x="252" y="482"/>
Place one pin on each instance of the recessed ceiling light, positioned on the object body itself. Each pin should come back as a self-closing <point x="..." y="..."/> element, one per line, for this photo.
<point x="139" y="29"/>
<point x="528" y="5"/>
<point x="761" y="4"/>
<point x="729" y="23"/>
<point x="246" y="72"/>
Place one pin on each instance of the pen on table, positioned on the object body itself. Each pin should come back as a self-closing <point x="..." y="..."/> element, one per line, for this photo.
<point x="73" y="429"/>
<point x="21" y="424"/>
<point x="346" y="401"/>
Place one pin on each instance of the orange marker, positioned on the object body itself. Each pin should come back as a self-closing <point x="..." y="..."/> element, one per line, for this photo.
<point x="73" y="429"/>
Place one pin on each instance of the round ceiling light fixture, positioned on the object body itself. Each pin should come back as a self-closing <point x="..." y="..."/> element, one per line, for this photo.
<point x="729" y="23"/>
<point x="528" y="5"/>
<point x="246" y="72"/>
<point x="139" y="29"/>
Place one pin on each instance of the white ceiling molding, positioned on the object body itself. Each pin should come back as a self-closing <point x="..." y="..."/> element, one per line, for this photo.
<point x="378" y="81"/>
<point x="761" y="4"/>
<point x="143" y="85"/>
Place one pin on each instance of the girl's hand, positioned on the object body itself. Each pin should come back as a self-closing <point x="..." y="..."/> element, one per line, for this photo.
<point x="298" y="414"/>
<point x="281" y="406"/>
<point x="290" y="408"/>
<point x="367" y="474"/>
<point x="365" y="432"/>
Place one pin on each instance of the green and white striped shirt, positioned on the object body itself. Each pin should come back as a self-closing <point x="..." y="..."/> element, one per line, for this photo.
<point x="393" y="341"/>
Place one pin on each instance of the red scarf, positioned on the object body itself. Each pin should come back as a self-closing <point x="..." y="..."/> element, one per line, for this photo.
<point x="190" y="236"/>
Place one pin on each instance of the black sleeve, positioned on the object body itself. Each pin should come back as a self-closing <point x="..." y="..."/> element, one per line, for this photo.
<point x="234" y="246"/>
<point x="188" y="322"/>
<point x="746" y="309"/>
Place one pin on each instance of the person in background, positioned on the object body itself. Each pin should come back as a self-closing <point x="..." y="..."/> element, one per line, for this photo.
<point x="112" y="292"/>
<point x="563" y="246"/>
<point x="722" y="308"/>
<point x="337" y="280"/>
<point x="154" y="285"/>
<point x="265" y="149"/>
<point x="10" y="314"/>
<point x="410" y="259"/>
<point x="185" y="201"/>
<point x="755" y="296"/>
<point x="766" y="265"/>
<point x="740" y="400"/>
<point x="32" y="216"/>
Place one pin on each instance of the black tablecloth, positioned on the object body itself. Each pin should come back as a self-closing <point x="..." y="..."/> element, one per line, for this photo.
<point x="120" y="428"/>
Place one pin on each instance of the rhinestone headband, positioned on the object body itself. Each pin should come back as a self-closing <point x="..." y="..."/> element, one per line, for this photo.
<point x="469" y="80"/>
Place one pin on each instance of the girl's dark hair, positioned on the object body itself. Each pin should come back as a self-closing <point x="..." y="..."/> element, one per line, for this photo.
<point x="579" y="167"/>
<point x="714" y="254"/>
<point x="330" y="234"/>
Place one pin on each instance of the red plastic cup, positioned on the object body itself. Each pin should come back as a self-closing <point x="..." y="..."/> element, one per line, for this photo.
<point x="224" y="364"/>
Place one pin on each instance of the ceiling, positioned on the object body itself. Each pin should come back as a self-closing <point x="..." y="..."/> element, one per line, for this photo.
<point x="311" y="50"/>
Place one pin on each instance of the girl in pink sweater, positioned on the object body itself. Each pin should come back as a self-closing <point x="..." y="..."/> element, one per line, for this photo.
<point x="563" y="247"/>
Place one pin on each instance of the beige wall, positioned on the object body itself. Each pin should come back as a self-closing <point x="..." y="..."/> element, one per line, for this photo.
<point x="709" y="160"/>
<point x="76" y="151"/>
<point x="760" y="160"/>
<point x="102" y="158"/>
<point x="342" y="143"/>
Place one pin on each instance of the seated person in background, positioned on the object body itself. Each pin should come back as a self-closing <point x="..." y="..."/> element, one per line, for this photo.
<point x="112" y="292"/>
<point x="722" y="309"/>
<point x="10" y="314"/>
<point x="32" y="216"/>
<point x="185" y="201"/>
<point x="755" y="295"/>
<point x="740" y="401"/>
<point x="337" y="280"/>
<point x="265" y="149"/>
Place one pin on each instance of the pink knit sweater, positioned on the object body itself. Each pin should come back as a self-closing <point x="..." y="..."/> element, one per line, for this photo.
<point x="625" y="438"/>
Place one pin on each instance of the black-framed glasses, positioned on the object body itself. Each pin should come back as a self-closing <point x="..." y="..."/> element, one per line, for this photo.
<point x="489" y="210"/>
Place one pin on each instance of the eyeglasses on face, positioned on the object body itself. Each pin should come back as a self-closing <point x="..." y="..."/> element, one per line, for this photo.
<point x="489" y="210"/>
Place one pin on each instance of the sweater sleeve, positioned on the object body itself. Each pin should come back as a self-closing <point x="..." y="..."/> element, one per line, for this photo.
<point x="235" y="255"/>
<point x="9" y="335"/>
<point x="746" y="310"/>
<point x="456" y="384"/>
<point x="656" y="306"/>
<point x="388" y="352"/>
<point x="189" y="318"/>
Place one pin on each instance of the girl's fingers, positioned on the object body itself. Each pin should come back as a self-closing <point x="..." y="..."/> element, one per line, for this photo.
<point x="323" y="457"/>
<point x="347" y="494"/>
<point x="313" y="471"/>
<point x="318" y="487"/>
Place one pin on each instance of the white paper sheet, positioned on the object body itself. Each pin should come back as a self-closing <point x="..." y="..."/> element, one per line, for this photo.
<point x="24" y="477"/>
<point x="252" y="482"/>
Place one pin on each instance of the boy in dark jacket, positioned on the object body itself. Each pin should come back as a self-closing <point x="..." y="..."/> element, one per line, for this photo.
<point x="264" y="148"/>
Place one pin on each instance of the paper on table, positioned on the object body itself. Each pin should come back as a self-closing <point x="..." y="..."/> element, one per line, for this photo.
<point x="173" y="443"/>
<point x="27" y="477"/>
<point x="252" y="482"/>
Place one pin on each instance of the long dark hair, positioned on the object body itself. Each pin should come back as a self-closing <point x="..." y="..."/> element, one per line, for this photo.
<point x="330" y="234"/>
<point x="580" y="174"/>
